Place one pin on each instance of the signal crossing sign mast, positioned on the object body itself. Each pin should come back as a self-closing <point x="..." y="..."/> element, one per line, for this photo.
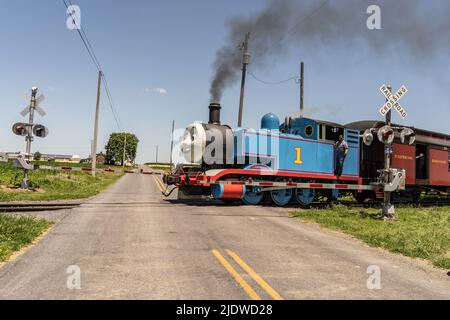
<point x="386" y="135"/>
<point x="28" y="130"/>
<point x="390" y="179"/>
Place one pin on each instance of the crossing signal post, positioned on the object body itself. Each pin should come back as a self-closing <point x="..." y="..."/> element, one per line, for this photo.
<point x="29" y="130"/>
<point x="390" y="179"/>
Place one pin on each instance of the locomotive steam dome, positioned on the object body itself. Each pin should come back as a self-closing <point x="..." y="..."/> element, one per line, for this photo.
<point x="270" y="122"/>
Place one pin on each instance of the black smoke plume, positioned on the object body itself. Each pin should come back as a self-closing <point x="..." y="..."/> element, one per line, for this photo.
<point x="416" y="28"/>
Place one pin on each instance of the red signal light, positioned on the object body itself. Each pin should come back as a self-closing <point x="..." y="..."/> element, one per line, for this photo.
<point x="20" y="129"/>
<point x="40" y="131"/>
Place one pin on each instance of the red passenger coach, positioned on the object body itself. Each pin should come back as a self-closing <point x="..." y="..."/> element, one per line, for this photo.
<point x="427" y="161"/>
<point x="439" y="167"/>
<point x="404" y="157"/>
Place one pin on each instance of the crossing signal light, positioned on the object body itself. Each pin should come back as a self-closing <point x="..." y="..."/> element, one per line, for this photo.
<point x="20" y="129"/>
<point x="407" y="136"/>
<point x="367" y="137"/>
<point x="386" y="134"/>
<point x="40" y="131"/>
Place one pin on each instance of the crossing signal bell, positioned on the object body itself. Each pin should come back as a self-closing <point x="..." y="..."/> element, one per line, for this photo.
<point x="40" y="131"/>
<point x="386" y="134"/>
<point x="20" y="129"/>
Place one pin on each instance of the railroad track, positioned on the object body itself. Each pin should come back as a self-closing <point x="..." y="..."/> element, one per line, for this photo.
<point x="376" y="204"/>
<point x="24" y="207"/>
<point x="314" y="205"/>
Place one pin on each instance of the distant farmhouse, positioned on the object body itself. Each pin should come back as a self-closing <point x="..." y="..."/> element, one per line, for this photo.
<point x="101" y="159"/>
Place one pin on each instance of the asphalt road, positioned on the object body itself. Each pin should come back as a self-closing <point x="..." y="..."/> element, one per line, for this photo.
<point x="130" y="243"/>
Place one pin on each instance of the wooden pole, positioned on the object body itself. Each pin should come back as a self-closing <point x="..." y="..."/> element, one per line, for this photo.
<point x="245" y="62"/>
<point x="302" y="88"/>
<point x="97" y="109"/>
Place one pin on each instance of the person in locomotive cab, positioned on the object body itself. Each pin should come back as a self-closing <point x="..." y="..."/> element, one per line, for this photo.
<point x="341" y="151"/>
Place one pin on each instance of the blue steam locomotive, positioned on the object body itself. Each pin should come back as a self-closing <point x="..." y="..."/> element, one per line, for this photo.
<point x="290" y="161"/>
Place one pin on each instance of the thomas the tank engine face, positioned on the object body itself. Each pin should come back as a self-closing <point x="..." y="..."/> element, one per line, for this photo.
<point x="193" y="143"/>
<point x="209" y="143"/>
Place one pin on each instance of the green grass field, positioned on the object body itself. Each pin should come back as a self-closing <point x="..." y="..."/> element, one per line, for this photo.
<point x="19" y="231"/>
<point x="417" y="232"/>
<point x="52" y="185"/>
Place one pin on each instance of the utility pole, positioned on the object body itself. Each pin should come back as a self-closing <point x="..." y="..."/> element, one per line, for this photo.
<point x="171" y="141"/>
<point x="245" y="62"/>
<point x="97" y="109"/>
<point x="90" y="156"/>
<point x="156" y="156"/>
<point x="124" y="148"/>
<point x="302" y="87"/>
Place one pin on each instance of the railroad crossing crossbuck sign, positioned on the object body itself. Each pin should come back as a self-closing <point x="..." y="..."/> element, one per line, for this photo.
<point x="393" y="101"/>
<point x="36" y="107"/>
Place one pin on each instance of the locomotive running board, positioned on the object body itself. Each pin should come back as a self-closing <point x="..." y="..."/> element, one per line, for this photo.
<point x="293" y="185"/>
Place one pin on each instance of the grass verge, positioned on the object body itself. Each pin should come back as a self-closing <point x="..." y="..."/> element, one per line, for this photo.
<point x="52" y="184"/>
<point x="417" y="232"/>
<point x="17" y="232"/>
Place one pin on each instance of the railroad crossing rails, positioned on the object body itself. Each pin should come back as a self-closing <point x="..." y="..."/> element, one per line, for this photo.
<point x="37" y="206"/>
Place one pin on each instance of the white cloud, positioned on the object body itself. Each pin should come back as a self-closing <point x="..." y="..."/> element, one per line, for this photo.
<point x="156" y="90"/>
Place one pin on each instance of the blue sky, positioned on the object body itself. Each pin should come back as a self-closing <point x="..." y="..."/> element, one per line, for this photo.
<point x="144" y="45"/>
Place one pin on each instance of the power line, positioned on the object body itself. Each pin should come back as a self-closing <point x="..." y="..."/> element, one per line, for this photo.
<point x="111" y="103"/>
<point x="302" y="20"/>
<point x="250" y="72"/>
<point x="87" y="40"/>
<point x="79" y="29"/>
<point x="90" y="50"/>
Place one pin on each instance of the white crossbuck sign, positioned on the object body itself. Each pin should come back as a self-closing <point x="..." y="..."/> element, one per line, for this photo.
<point x="37" y="108"/>
<point x="393" y="101"/>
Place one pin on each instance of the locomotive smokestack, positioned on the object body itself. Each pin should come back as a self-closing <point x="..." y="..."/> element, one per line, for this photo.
<point x="214" y="113"/>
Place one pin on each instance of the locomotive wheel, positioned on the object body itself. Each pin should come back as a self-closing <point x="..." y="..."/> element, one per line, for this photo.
<point x="253" y="196"/>
<point x="305" y="196"/>
<point x="281" y="197"/>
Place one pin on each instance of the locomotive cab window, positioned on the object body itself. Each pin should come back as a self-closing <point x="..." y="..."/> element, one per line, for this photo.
<point x="449" y="161"/>
<point x="330" y="133"/>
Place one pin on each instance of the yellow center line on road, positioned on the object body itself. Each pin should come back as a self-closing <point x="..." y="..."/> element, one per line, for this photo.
<point x="275" y="295"/>
<point x="251" y="293"/>
<point x="158" y="183"/>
